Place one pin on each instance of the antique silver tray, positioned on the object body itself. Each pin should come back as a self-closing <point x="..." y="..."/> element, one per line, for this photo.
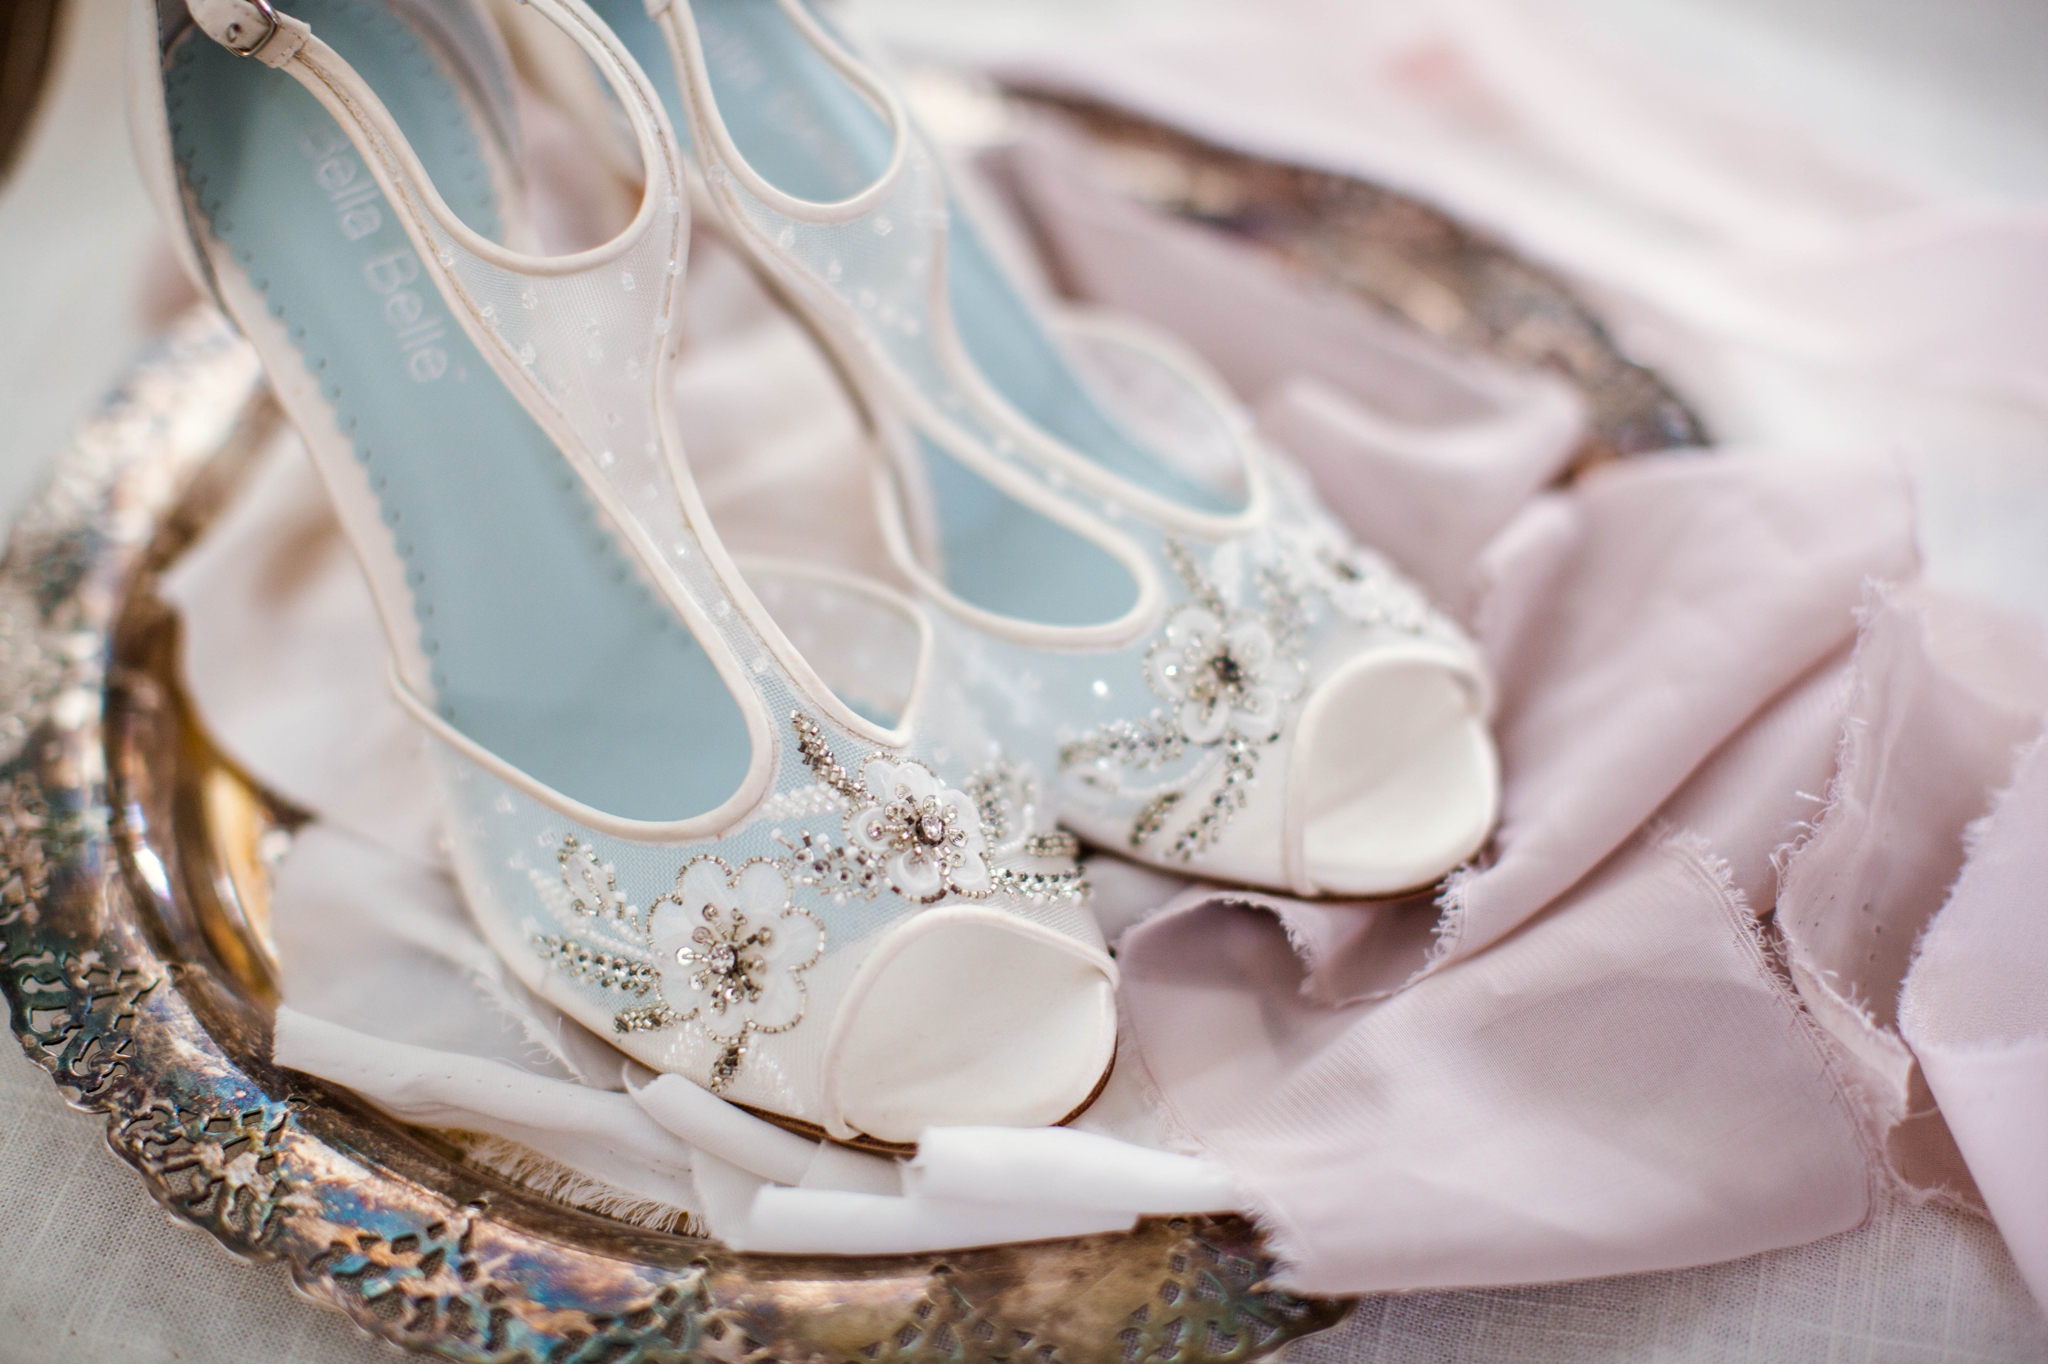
<point x="134" y="895"/>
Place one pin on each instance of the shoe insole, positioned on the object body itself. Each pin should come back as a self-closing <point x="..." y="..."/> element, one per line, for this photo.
<point x="545" y="645"/>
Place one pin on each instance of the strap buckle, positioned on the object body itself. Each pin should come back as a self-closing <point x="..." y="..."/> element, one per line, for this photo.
<point x="231" y="35"/>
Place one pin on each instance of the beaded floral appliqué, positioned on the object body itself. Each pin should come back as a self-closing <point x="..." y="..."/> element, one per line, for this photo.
<point x="1223" y="675"/>
<point x="925" y="839"/>
<point x="732" y="947"/>
<point x="725" y="951"/>
<point x="927" y="835"/>
<point x="907" y="830"/>
<point x="1227" y="675"/>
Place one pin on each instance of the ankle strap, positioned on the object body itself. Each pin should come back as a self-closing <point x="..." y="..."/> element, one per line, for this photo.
<point x="251" y="28"/>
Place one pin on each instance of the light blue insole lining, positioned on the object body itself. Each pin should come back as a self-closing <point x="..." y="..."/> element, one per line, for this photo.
<point x="809" y="132"/>
<point x="545" y="646"/>
<point x="997" y="325"/>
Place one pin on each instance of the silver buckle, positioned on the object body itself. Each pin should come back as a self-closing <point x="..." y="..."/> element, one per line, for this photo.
<point x="269" y="17"/>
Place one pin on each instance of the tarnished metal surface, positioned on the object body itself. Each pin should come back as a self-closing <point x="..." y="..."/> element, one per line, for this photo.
<point x="134" y="961"/>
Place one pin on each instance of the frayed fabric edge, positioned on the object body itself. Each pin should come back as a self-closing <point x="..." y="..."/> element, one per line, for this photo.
<point x="1453" y="900"/>
<point x="1883" y="1104"/>
<point x="551" y="1179"/>
<point x="1694" y="851"/>
<point x="1699" y="850"/>
<point x="1450" y="924"/>
<point x="1876" y="595"/>
<point x="1876" y="1113"/>
<point x="1978" y="830"/>
<point x="1976" y="835"/>
<point x="1768" y="954"/>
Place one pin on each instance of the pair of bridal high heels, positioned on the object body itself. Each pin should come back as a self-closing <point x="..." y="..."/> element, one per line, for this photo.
<point x="782" y="831"/>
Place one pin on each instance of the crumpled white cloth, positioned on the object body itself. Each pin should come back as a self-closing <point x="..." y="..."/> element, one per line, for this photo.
<point x="603" y="1134"/>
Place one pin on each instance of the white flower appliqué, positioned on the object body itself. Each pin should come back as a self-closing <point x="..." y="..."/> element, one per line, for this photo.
<point x="1227" y="672"/>
<point x="732" y="948"/>
<point x="1224" y="679"/>
<point x="926" y="835"/>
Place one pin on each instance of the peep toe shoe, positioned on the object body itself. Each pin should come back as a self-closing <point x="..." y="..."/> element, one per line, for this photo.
<point x="1231" y="686"/>
<point x="743" y="824"/>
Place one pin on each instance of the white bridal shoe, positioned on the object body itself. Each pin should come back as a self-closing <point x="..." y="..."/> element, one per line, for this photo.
<point x="1234" y="688"/>
<point x="768" y="850"/>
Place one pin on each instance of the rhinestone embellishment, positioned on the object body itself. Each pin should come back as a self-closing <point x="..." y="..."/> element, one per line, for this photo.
<point x="732" y="948"/>
<point x="729" y="973"/>
<point x="726" y="950"/>
<point x="920" y="830"/>
<point x="1227" y="675"/>
<point x="927" y="835"/>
